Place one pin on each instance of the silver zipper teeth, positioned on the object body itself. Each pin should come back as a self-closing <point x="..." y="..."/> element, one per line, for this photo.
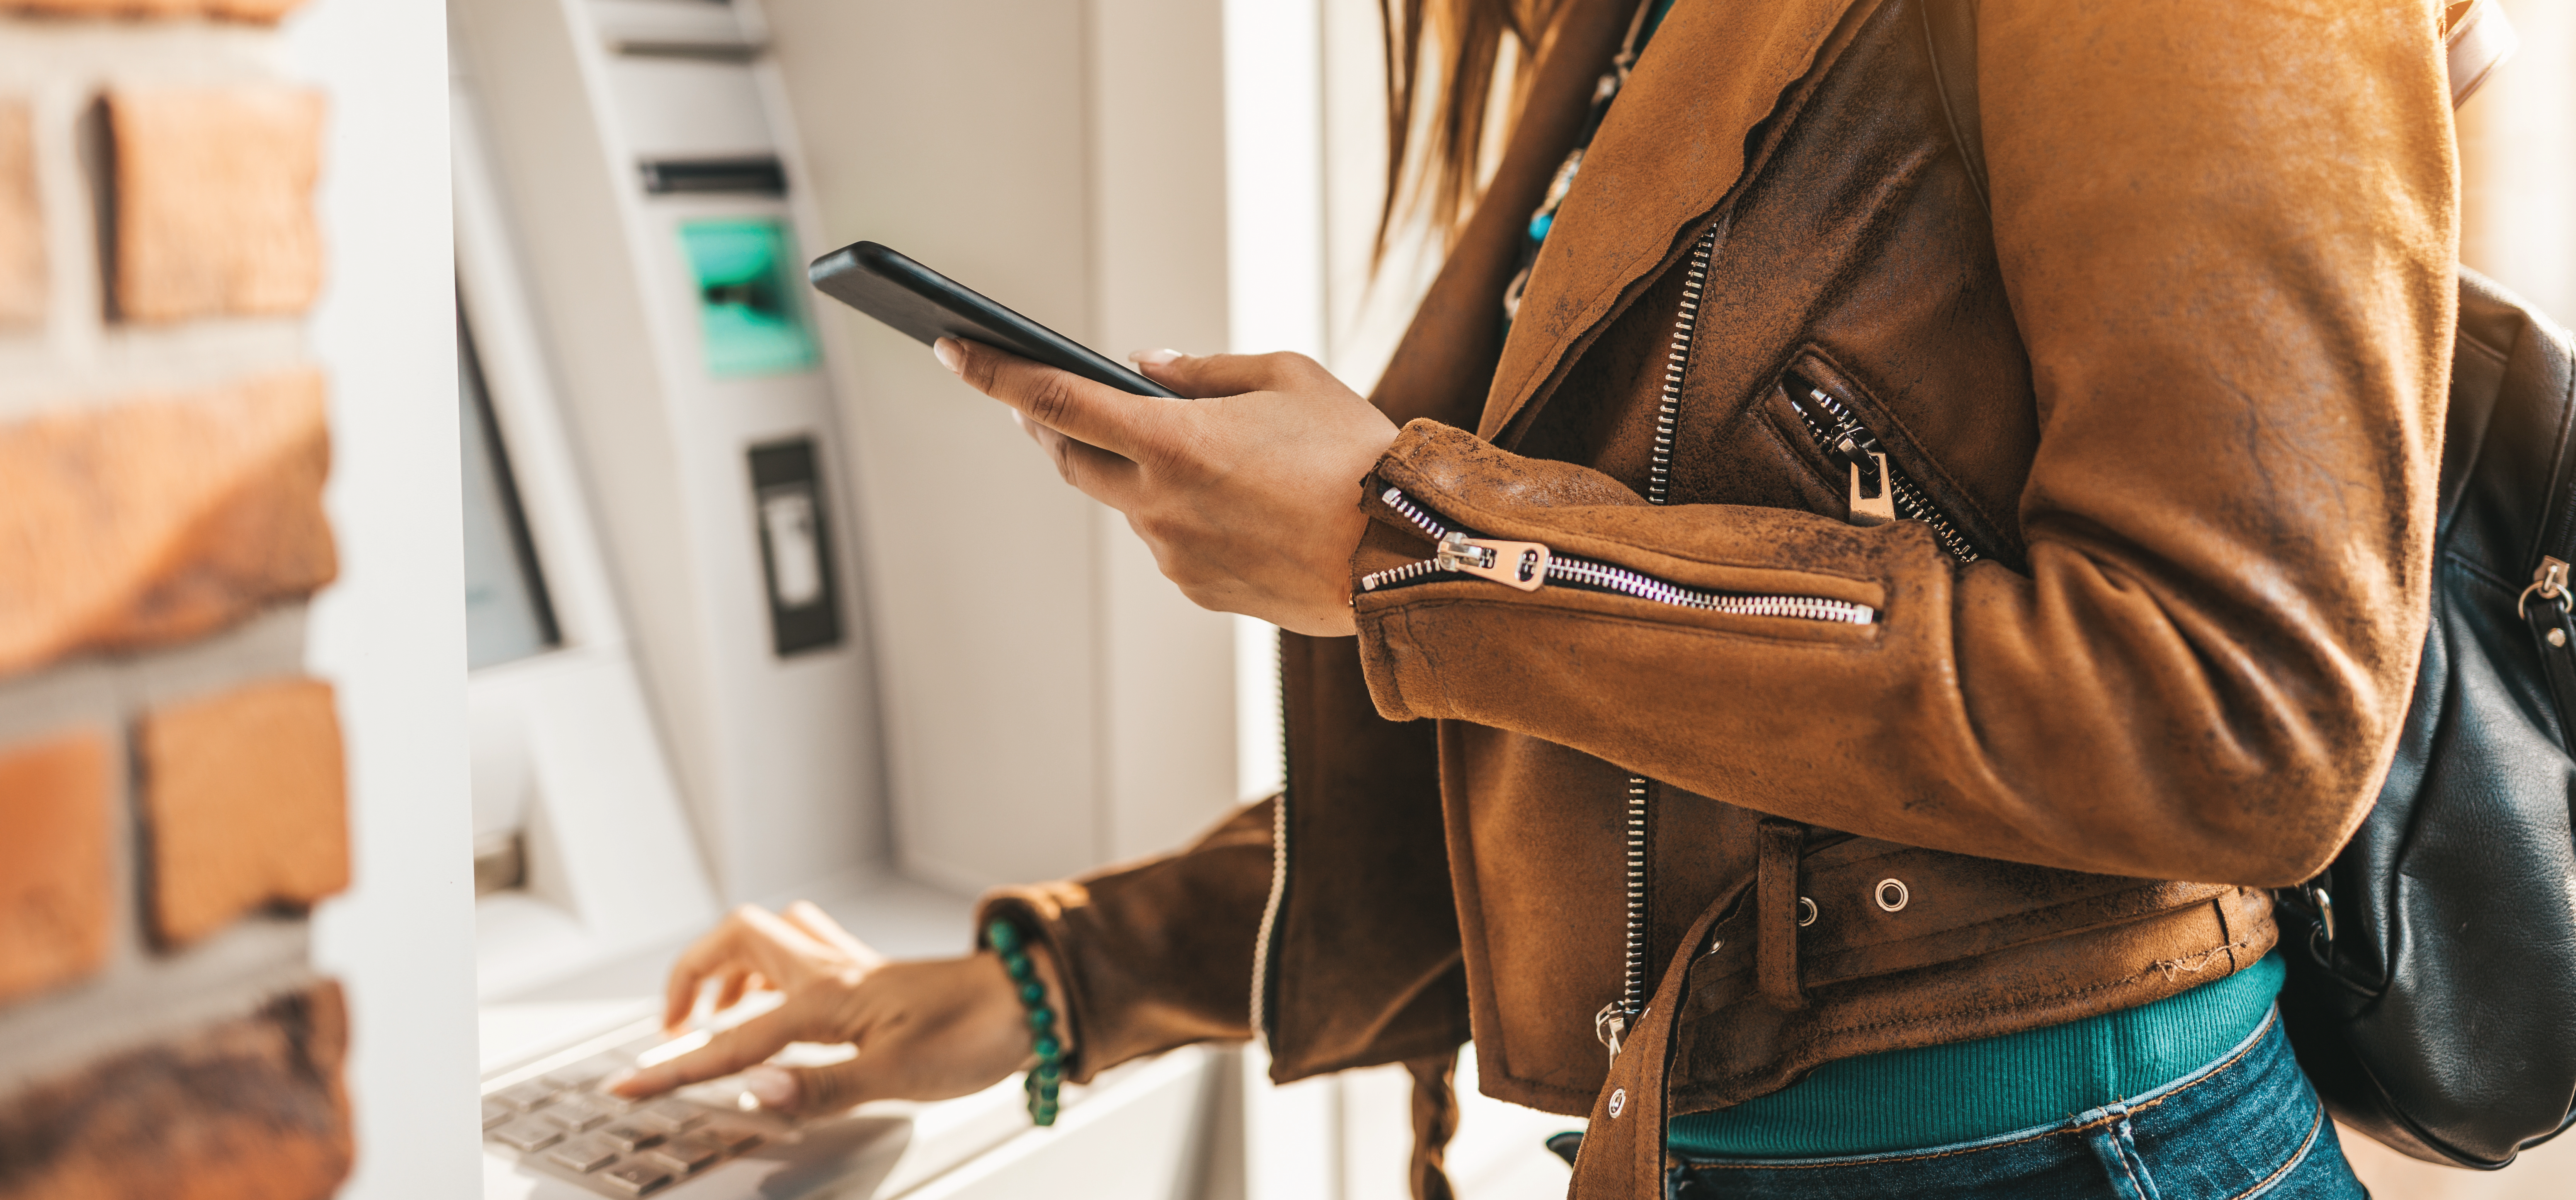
<point x="1567" y="569"/>
<point x="1403" y="574"/>
<point x="1659" y="473"/>
<point x="1911" y="503"/>
<point x="1647" y="587"/>
<point x="1632" y="983"/>
<point x="1406" y="508"/>
<point x="1270" y="907"/>
<point x="1659" y="478"/>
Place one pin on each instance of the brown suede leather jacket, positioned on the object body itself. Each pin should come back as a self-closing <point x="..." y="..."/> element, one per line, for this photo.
<point x="2168" y="396"/>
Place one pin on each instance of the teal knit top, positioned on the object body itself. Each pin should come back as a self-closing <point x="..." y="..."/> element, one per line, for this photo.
<point x="1937" y="1095"/>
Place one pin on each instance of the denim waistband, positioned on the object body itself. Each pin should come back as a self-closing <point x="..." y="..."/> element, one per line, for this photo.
<point x="2247" y="1124"/>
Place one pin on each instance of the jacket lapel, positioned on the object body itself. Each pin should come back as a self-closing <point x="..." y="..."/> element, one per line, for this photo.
<point x="1673" y="146"/>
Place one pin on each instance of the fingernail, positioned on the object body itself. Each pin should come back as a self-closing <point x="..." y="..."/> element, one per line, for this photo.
<point x="1156" y="358"/>
<point x="774" y="1087"/>
<point x="945" y="350"/>
<point x="618" y="1081"/>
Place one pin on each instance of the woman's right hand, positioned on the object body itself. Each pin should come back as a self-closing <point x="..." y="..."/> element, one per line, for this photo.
<point x="924" y="1030"/>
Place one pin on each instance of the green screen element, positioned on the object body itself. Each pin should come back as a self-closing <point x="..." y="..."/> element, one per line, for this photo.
<point x="747" y="297"/>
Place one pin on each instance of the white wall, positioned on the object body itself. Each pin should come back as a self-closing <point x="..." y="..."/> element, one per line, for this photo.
<point x="2518" y="162"/>
<point x="391" y="633"/>
<point x="1050" y="701"/>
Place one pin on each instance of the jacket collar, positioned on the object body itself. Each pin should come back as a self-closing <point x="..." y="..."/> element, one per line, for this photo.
<point x="1673" y="146"/>
<point x="1444" y="368"/>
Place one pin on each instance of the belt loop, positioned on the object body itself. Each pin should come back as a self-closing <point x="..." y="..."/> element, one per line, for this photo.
<point x="1778" y="845"/>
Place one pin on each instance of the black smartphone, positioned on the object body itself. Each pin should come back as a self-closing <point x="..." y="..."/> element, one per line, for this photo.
<point x="928" y="305"/>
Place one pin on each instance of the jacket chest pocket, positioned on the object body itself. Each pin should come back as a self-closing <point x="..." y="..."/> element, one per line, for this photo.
<point x="1861" y="456"/>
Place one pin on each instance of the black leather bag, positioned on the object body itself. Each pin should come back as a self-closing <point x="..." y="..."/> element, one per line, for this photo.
<point x="2432" y="992"/>
<point x="2432" y="989"/>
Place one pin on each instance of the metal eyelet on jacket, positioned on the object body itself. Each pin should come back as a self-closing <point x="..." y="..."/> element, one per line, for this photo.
<point x="1806" y="912"/>
<point x="1891" y="895"/>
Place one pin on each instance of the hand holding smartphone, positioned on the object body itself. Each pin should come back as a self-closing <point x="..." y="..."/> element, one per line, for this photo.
<point x="916" y="300"/>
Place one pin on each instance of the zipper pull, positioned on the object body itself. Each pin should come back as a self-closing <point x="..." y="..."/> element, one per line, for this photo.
<point x="1521" y="564"/>
<point x="1609" y="1025"/>
<point x="1875" y="504"/>
<point x="2550" y="581"/>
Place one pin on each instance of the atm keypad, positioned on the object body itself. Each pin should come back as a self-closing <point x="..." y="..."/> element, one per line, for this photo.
<point x="561" y="1123"/>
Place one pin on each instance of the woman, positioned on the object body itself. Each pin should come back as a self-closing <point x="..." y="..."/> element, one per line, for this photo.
<point x="1896" y="522"/>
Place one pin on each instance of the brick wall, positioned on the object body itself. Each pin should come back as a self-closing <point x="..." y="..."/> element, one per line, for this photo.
<point x="171" y="786"/>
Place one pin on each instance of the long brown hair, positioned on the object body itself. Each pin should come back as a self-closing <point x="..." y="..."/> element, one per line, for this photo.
<point x="1461" y="45"/>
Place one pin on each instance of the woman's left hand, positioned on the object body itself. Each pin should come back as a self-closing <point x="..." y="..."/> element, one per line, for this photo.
<point x="1248" y="494"/>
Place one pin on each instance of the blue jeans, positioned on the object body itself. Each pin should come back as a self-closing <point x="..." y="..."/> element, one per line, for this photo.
<point x="2244" y="1126"/>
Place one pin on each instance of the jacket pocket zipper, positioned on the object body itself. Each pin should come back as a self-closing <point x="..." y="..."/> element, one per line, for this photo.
<point x="1880" y="489"/>
<point x="1529" y="566"/>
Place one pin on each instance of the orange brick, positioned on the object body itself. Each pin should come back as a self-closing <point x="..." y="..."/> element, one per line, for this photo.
<point x="244" y="805"/>
<point x="161" y="519"/>
<point x="249" y="1109"/>
<point x="260" y="11"/>
<point x="22" y="223"/>
<point x="57" y="889"/>
<point x="214" y="201"/>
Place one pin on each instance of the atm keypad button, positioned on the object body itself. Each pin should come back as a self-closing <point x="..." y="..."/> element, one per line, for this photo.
<point x="584" y="1154"/>
<point x="669" y="1115"/>
<point x="635" y="1177"/>
<point x="732" y="1139"/>
<point x="687" y="1153"/>
<point x="529" y="1134"/>
<point x="527" y="1095"/>
<point x="630" y="1136"/>
<point x="582" y="1110"/>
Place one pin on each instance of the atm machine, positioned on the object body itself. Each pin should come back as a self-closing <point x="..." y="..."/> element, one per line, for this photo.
<point x="675" y="685"/>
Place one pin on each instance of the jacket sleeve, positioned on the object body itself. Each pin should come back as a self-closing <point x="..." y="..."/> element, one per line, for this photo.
<point x="2226" y="232"/>
<point x="1153" y="954"/>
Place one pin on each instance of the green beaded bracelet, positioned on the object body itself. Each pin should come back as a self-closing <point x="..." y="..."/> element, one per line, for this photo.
<point x="1044" y="1079"/>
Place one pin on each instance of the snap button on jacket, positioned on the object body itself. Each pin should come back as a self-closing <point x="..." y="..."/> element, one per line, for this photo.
<point x="2182" y="392"/>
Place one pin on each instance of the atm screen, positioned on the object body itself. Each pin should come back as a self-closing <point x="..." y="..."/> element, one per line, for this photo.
<point x="507" y="616"/>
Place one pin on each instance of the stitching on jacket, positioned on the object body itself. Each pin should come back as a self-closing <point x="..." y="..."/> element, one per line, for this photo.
<point x="2220" y="1068"/>
<point x="1430" y="605"/>
<point x="1725" y="1080"/>
<point x="2194" y="964"/>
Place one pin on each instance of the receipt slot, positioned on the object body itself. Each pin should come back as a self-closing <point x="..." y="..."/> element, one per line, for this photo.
<point x="795" y="547"/>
